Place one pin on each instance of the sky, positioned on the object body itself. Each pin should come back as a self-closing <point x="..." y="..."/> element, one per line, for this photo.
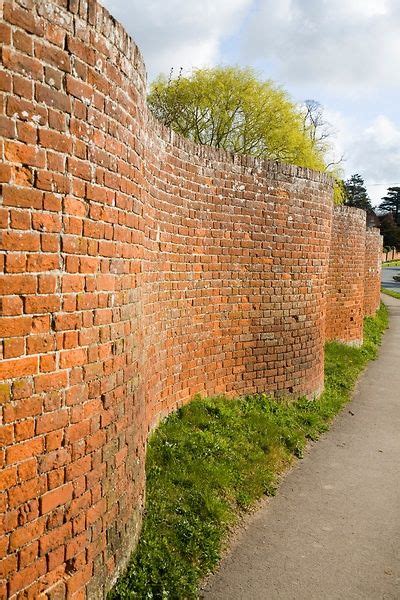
<point x="343" y="53"/>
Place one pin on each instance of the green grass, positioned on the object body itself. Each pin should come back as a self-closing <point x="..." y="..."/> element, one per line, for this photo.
<point x="213" y="459"/>
<point x="391" y="293"/>
<point x="391" y="263"/>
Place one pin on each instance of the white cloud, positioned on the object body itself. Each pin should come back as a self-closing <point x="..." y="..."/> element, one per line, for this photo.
<point x="346" y="45"/>
<point x="373" y="151"/>
<point x="178" y="33"/>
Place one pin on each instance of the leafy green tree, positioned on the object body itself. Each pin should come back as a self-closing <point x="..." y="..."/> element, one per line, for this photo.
<point x="391" y="203"/>
<point x="230" y="108"/>
<point x="355" y="193"/>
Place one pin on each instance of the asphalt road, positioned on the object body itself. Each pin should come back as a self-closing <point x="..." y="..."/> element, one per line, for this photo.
<point x="333" y="530"/>
<point x="388" y="281"/>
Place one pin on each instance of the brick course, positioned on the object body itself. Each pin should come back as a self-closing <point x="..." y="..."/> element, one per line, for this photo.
<point x="137" y="269"/>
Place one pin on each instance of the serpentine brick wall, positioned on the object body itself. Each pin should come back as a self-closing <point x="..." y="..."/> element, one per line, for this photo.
<point x="346" y="276"/>
<point x="372" y="283"/>
<point x="137" y="270"/>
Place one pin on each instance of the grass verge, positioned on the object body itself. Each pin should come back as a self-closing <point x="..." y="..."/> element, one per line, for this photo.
<point x="213" y="458"/>
<point x="391" y="293"/>
<point x="391" y="263"/>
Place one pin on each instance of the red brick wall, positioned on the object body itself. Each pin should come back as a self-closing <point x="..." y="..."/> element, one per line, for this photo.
<point x="237" y="272"/>
<point x="372" y="283"/>
<point x="345" y="283"/>
<point x="137" y="269"/>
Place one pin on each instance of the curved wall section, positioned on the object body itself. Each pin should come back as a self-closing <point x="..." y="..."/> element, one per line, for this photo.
<point x="345" y="283"/>
<point x="137" y="270"/>
<point x="240" y="251"/>
<point x="373" y="262"/>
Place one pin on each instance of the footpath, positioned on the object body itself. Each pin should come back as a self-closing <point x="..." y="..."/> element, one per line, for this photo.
<point x="333" y="530"/>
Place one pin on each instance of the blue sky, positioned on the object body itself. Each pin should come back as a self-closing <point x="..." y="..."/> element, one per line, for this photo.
<point x="343" y="53"/>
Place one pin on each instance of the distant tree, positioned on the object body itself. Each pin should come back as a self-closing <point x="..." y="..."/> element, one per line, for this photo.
<point x="391" y="203"/>
<point x="390" y="231"/>
<point x="355" y="193"/>
<point x="230" y="108"/>
<point x="314" y="123"/>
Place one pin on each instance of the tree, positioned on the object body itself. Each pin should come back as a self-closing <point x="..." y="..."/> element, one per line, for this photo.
<point x="230" y="108"/>
<point x="320" y="130"/>
<point x="390" y="231"/>
<point x="355" y="193"/>
<point x="391" y="203"/>
<point x="314" y="124"/>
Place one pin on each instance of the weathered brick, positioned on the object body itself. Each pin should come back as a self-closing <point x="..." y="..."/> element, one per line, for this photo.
<point x="52" y="381"/>
<point x="58" y="497"/>
<point x="16" y="152"/>
<point x="42" y="304"/>
<point x="24" y="450"/>
<point x="51" y="421"/>
<point x="18" y="367"/>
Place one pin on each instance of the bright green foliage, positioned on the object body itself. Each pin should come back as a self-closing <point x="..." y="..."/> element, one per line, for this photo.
<point x="339" y="191"/>
<point x="230" y="108"/>
<point x="213" y="459"/>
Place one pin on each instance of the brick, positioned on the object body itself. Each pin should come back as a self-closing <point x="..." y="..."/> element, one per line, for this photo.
<point x="18" y="284"/>
<point x="20" y="63"/>
<point x="51" y="421"/>
<point x="26" y="407"/>
<point x="46" y="222"/>
<point x="42" y="304"/>
<point x="37" y="344"/>
<point x="27" y="470"/>
<point x="8" y="478"/>
<point x="53" y="56"/>
<point x="22" y="197"/>
<point x="28" y="575"/>
<point x="24" y="450"/>
<point x="18" y="367"/>
<point x="11" y="305"/>
<point x="16" y="152"/>
<point x="52" y="98"/>
<point x="52" y="381"/>
<point x="73" y="358"/>
<point x="56" y="141"/>
<point x="14" y="347"/>
<point x="24" y="430"/>
<point x="8" y="566"/>
<point x="23" y="492"/>
<point x="23" y="18"/>
<point x="15" y="263"/>
<point x="42" y="262"/>
<point x="20" y="220"/>
<point x="58" y="497"/>
<point x="13" y="240"/>
<point x="6" y="435"/>
<point x="22" y="389"/>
